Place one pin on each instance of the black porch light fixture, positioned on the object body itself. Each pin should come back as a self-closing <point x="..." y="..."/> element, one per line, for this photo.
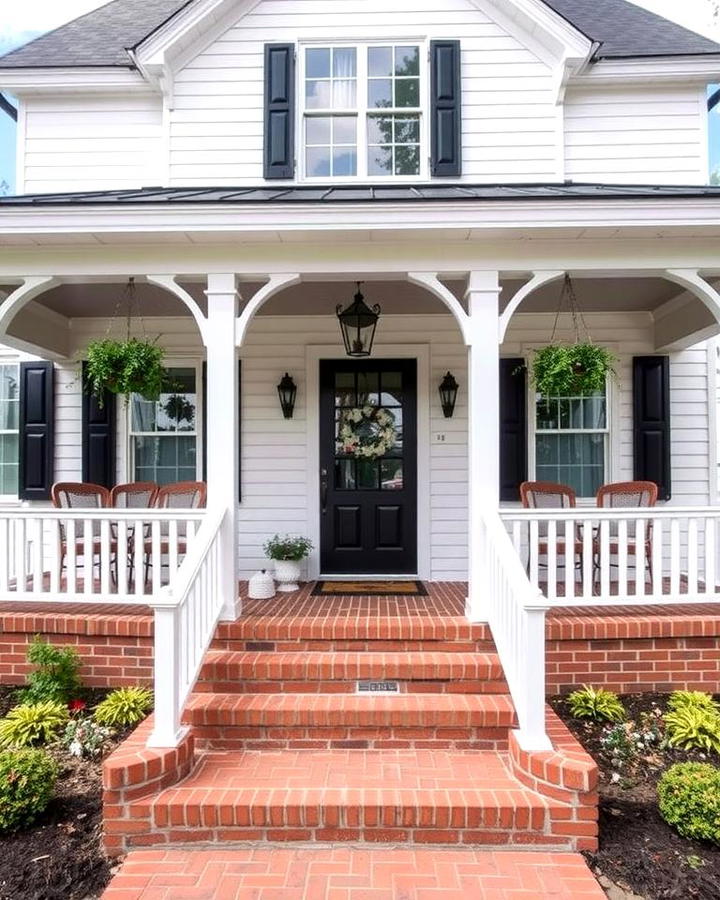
<point x="448" y="395"/>
<point x="358" y="323"/>
<point x="287" y="391"/>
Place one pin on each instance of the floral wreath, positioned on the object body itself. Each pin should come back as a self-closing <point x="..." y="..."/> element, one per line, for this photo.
<point x="367" y="432"/>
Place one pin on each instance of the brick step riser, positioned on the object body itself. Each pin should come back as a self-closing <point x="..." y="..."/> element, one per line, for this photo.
<point x="372" y="645"/>
<point x="346" y="687"/>
<point x="216" y="737"/>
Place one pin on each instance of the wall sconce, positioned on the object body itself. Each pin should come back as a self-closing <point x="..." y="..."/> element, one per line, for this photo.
<point x="448" y="395"/>
<point x="287" y="391"/>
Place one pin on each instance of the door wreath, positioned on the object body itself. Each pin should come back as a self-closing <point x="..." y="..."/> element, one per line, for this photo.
<point x="367" y="432"/>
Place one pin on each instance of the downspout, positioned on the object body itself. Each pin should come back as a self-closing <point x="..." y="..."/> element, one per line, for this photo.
<point x="7" y="107"/>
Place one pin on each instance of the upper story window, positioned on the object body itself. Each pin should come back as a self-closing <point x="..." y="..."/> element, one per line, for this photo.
<point x="362" y="111"/>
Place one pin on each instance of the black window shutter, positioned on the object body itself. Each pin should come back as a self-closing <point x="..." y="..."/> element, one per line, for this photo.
<point x="651" y="422"/>
<point x="513" y="428"/>
<point x="204" y="396"/>
<point x="98" y="436"/>
<point x="279" y="111"/>
<point x="37" y="430"/>
<point x="445" y="108"/>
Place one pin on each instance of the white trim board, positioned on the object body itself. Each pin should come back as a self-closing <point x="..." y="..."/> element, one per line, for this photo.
<point x="419" y="352"/>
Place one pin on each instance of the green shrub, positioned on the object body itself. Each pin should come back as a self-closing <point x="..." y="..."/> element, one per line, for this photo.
<point x="57" y="676"/>
<point x="27" y="780"/>
<point x="30" y="724"/>
<point x="597" y="704"/>
<point x="693" y="728"/>
<point x="126" y="706"/>
<point x="693" y="700"/>
<point x="689" y="800"/>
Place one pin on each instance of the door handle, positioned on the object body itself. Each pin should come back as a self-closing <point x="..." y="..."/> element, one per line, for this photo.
<point x="323" y="490"/>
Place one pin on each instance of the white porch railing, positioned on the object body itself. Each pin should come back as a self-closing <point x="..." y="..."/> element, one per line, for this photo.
<point x="100" y="555"/>
<point x="589" y="557"/>
<point x="515" y="612"/>
<point x="186" y="614"/>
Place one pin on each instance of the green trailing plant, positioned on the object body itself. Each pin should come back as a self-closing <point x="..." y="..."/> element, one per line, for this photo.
<point x="288" y="548"/>
<point x="124" y="707"/>
<point x="572" y="370"/>
<point x="693" y="700"/>
<point x="125" y="367"/>
<point x="27" y="781"/>
<point x="689" y="800"/>
<point x="31" y="724"/>
<point x="57" y="673"/>
<point x="693" y="728"/>
<point x="596" y="703"/>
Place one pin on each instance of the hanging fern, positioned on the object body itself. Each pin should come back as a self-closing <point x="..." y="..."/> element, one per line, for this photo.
<point x="125" y="367"/>
<point x="567" y="371"/>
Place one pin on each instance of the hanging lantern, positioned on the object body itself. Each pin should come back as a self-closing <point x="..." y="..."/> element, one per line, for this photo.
<point x="448" y="395"/>
<point x="287" y="391"/>
<point x="358" y="323"/>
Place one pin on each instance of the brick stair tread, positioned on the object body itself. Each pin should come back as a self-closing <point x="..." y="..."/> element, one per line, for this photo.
<point x="398" y="710"/>
<point x="346" y="627"/>
<point x="249" y="665"/>
<point x="426" y="788"/>
<point x="267" y="873"/>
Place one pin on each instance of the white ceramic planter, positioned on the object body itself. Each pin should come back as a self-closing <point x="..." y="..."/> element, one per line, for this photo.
<point x="287" y="574"/>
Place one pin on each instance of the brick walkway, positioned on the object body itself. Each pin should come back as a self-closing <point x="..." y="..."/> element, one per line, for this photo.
<point x="344" y="873"/>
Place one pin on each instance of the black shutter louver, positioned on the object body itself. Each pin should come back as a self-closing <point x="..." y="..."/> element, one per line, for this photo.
<point x="445" y="108"/>
<point x="651" y="422"/>
<point x="279" y="153"/>
<point x="98" y="436"/>
<point x="513" y="428"/>
<point x="36" y="430"/>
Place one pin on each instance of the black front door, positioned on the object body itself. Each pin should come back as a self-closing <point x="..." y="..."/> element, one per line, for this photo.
<point x="368" y="467"/>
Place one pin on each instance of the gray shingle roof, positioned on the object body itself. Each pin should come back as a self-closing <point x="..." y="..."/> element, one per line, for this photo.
<point x="359" y="194"/>
<point x="101" y="37"/>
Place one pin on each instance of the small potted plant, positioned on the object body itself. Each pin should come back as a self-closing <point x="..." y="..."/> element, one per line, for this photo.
<point x="287" y="553"/>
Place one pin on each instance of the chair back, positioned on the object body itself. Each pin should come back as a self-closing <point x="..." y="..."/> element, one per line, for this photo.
<point x="182" y="495"/>
<point x="546" y="495"/>
<point x="627" y="494"/>
<point x="79" y="495"/>
<point x="135" y="495"/>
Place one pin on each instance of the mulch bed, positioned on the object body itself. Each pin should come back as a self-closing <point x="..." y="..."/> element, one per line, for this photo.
<point x="638" y="850"/>
<point x="61" y="856"/>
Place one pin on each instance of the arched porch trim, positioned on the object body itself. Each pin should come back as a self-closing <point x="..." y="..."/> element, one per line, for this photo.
<point x="537" y="281"/>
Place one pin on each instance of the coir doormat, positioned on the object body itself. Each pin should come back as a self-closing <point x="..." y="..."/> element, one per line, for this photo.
<point x="410" y="588"/>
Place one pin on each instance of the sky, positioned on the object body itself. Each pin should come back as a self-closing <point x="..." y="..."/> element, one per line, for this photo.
<point x="21" y="21"/>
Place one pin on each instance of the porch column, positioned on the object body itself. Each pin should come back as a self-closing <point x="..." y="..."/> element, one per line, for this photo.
<point x="482" y="295"/>
<point x="222" y="426"/>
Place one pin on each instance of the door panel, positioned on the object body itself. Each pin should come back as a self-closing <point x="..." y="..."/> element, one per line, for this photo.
<point x="368" y="505"/>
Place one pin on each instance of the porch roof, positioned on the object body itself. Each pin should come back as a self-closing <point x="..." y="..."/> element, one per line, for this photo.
<point x="379" y="193"/>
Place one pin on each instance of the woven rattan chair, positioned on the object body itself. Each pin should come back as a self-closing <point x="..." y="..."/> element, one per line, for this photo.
<point x="549" y="495"/>
<point x="134" y="495"/>
<point x="80" y="495"/>
<point x="181" y="495"/>
<point x="626" y="495"/>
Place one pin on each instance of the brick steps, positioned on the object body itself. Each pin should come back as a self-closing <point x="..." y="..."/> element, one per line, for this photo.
<point x="404" y="796"/>
<point x="226" y="671"/>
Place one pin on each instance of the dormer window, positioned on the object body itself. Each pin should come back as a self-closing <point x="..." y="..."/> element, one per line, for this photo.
<point x="362" y="111"/>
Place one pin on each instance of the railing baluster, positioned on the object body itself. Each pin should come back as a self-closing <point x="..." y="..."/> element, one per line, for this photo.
<point x="140" y="555"/>
<point x="693" y="554"/>
<point x="675" y="557"/>
<point x="88" y="556"/>
<point x="622" y="560"/>
<point x="656" y="543"/>
<point x="533" y="550"/>
<point x="588" y="560"/>
<point x="36" y="549"/>
<point x="122" y="558"/>
<point x="604" y="557"/>
<point x="551" y="560"/>
<point x="105" y="561"/>
<point x="5" y="541"/>
<point x="71" y="557"/>
<point x="710" y="549"/>
<point x="570" y="558"/>
<point x="55" y="555"/>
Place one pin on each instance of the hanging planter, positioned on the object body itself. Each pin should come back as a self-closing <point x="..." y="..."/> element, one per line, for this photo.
<point x="568" y="370"/>
<point x="129" y="366"/>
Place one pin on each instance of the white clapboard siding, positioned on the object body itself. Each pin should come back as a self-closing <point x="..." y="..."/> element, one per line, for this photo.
<point x="509" y="114"/>
<point x="653" y="134"/>
<point x="92" y="142"/>
<point x="275" y="450"/>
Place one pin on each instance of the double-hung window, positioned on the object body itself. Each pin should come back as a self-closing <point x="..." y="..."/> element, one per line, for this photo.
<point x="571" y="441"/>
<point x="164" y="433"/>
<point x="9" y="428"/>
<point x="362" y="111"/>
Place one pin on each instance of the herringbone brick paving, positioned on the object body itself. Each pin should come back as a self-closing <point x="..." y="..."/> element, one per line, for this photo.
<point x="323" y="873"/>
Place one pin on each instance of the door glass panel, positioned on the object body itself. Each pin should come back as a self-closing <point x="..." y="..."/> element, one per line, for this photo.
<point x="368" y="388"/>
<point x="391" y="474"/>
<point x="367" y="474"/>
<point x="345" y="474"/>
<point x="392" y="394"/>
<point x="344" y="389"/>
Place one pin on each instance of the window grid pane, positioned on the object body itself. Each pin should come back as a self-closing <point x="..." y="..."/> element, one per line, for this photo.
<point x="9" y="419"/>
<point x="571" y="441"/>
<point x="393" y="145"/>
<point x="330" y="145"/>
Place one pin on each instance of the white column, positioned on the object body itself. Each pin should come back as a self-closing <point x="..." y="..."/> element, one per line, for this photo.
<point x="482" y="294"/>
<point x="221" y="417"/>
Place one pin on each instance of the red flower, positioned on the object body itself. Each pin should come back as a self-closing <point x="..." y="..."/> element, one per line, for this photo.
<point x="77" y="705"/>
